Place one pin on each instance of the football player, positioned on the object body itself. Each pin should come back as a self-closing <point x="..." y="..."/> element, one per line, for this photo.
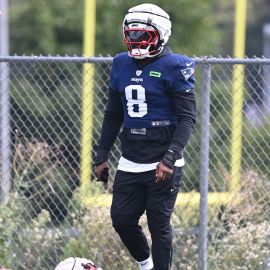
<point x="151" y="96"/>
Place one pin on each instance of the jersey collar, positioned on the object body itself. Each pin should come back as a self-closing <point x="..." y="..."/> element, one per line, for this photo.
<point x="143" y="62"/>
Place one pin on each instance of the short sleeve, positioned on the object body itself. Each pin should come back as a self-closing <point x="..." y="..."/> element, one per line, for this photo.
<point x="182" y="76"/>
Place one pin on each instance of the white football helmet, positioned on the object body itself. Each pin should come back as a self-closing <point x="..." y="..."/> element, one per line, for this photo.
<point x="146" y="30"/>
<point x="76" y="263"/>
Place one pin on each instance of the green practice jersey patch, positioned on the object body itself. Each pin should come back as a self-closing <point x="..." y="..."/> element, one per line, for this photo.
<point x="155" y="74"/>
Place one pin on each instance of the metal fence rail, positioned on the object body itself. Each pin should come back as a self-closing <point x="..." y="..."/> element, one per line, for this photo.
<point x="222" y="216"/>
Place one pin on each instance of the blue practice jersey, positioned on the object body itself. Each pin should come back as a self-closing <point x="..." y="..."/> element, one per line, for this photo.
<point x="146" y="92"/>
<point x="155" y="102"/>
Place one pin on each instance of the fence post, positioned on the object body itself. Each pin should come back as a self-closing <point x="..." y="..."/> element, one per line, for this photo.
<point x="266" y="68"/>
<point x="204" y="166"/>
<point x="88" y="95"/>
<point x="5" y="162"/>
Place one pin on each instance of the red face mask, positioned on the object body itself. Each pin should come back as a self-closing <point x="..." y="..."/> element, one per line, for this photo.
<point x="140" y="38"/>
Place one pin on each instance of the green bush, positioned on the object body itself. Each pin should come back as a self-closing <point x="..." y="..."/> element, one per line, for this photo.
<point x="27" y="244"/>
<point x="244" y="247"/>
<point x="241" y="238"/>
<point x="41" y="191"/>
<point x="41" y="178"/>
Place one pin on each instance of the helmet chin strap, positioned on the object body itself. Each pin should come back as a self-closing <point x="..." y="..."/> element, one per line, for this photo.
<point x="140" y="54"/>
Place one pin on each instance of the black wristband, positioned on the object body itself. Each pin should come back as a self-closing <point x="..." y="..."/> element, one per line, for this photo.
<point x="101" y="156"/>
<point x="98" y="162"/>
<point x="169" y="158"/>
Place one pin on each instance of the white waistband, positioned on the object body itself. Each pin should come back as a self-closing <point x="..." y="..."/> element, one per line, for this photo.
<point x="130" y="166"/>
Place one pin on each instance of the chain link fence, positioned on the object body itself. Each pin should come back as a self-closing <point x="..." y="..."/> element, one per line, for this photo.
<point x="48" y="212"/>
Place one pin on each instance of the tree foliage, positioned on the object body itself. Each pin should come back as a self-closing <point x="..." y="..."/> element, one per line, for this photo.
<point x="199" y="27"/>
<point x="45" y="27"/>
<point x="56" y="27"/>
<point x="189" y="25"/>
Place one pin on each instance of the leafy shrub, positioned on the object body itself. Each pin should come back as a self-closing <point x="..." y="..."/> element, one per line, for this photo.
<point x="241" y="239"/>
<point x="27" y="244"/>
<point x="244" y="247"/>
<point x="41" y="192"/>
<point x="254" y="205"/>
<point x="41" y="178"/>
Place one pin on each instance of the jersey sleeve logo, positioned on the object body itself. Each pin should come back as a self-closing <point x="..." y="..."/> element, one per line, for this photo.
<point x="187" y="72"/>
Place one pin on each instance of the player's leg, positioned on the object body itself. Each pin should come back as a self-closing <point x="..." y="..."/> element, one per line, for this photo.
<point x="128" y="205"/>
<point x="160" y="203"/>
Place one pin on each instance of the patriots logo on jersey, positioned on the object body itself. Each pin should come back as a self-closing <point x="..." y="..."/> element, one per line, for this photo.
<point x="187" y="72"/>
<point x="138" y="72"/>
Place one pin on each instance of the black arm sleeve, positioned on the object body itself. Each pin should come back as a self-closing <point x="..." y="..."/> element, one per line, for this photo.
<point x="185" y="108"/>
<point x="113" y="119"/>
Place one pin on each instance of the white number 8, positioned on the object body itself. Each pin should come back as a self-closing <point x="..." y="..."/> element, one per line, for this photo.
<point x="135" y="96"/>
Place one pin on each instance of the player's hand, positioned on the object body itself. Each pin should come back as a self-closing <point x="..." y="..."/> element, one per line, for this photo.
<point x="102" y="172"/>
<point x="163" y="172"/>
